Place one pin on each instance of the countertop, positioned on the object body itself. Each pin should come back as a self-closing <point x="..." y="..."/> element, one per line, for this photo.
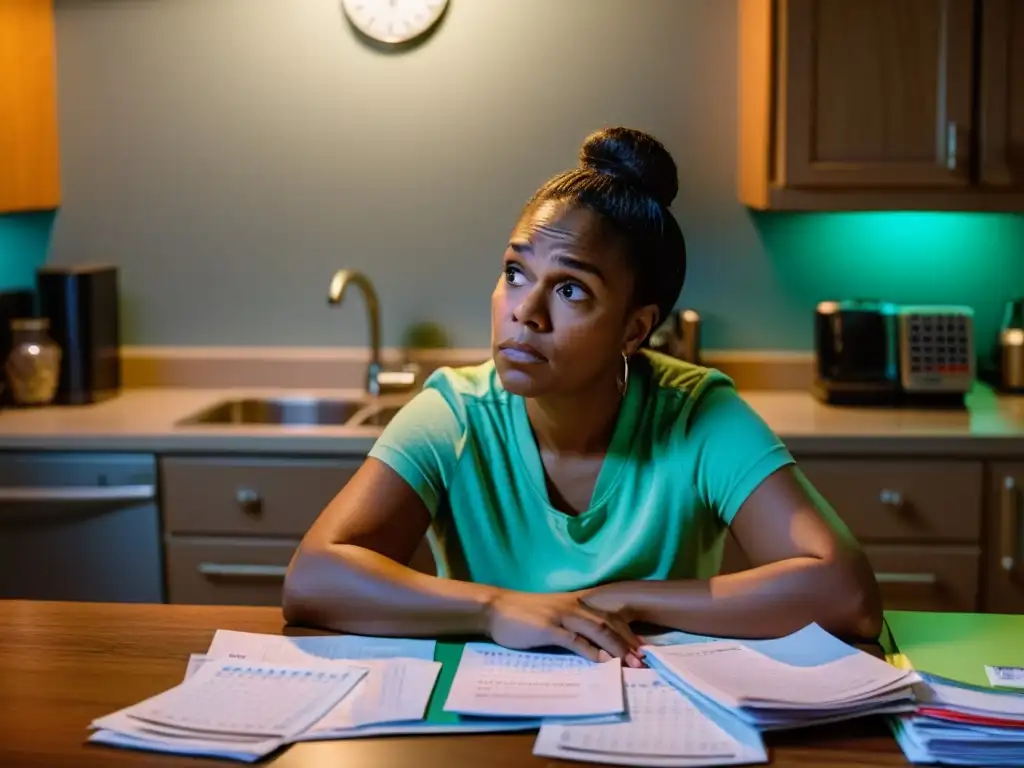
<point x="65" y="664"/>
<point x="146" y="419"/>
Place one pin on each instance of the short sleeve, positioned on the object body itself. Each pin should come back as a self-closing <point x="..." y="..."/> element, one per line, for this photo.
<point x="422" y="443"/>
<point x="735" y="450"/>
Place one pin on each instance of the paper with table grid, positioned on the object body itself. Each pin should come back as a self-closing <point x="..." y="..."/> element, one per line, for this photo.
<point x="664" y="728"/>
<point x="243" y="699"/>
<point x="401" y="674"/>
<point x="231" y="709"/>
<point x="493" y="681"/>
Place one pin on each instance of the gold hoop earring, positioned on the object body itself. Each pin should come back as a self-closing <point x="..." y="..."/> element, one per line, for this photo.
<point x="625" y="374"/>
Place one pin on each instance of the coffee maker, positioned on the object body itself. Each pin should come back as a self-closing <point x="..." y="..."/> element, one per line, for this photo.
<point x="81" y="302"/>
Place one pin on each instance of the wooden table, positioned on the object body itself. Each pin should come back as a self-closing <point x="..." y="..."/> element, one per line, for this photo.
<point x="63" y="664"/>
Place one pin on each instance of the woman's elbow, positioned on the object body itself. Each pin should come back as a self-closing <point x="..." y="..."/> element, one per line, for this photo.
<point x="861" y="612"/>
<point x="297" y="593"/>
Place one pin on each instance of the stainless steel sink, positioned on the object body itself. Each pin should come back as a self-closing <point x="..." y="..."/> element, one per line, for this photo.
<point x="284" y="411"/>
<point x="378" y="417"/>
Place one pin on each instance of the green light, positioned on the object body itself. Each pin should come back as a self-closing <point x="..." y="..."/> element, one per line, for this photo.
<point x="24" y="241"/>
<point x="909" y="257"/>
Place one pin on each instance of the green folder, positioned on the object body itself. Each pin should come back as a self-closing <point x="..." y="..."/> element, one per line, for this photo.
<point x="449" y="654"/>
<point x="957" y="645"/>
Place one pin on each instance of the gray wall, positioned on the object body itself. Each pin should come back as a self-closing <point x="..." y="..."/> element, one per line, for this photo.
<point x="231" y="154"/>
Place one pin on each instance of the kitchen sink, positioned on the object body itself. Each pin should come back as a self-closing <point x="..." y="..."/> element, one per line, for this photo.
<point x="285" y="411"/>
<point x="378" y="417"/>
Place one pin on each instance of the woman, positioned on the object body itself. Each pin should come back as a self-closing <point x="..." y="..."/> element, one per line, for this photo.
<point x="578" y="482"/>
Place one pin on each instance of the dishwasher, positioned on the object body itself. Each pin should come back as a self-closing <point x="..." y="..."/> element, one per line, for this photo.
<point x="80" y="526"/>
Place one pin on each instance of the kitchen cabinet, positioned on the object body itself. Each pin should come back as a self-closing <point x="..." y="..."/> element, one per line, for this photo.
<point x="920" y="523"/>
<point x="1002" y="94"/>
<point x="29" y="153"/>
<point x="881" y="105"/>
<point x="232" y="522"/>
<point x="1004" y="537"/>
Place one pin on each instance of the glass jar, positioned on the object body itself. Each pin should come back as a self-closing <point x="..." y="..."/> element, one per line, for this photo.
<point x="33" y="365"/>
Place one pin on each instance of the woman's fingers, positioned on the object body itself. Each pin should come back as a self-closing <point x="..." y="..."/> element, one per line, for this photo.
<point x="613" y="622"/>
<point x="565" y="638"/>
<point x="598" y="631"/>
<point x="635" y="656"/>
<point x="616" y="631"/>
<point x="623" y="628"/>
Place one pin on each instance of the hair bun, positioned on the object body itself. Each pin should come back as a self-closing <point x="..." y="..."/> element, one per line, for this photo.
<point x="634" y="156"/>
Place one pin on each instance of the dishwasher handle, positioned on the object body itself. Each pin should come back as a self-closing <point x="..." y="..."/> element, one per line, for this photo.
<point x="77" y="494"/>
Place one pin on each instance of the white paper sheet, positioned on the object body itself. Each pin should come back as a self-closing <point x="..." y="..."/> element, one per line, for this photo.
<point x="395" y="690"/>
<point x="229" y="709"/>
<point x="944" y="694"/>
<point x="245" y="699"/>
<point x="805" y="678"/>
<point x="739" y="676"/>
<point x="493" y="681"/>
<point x="129" y="735"/>
<point x="1005" y="677"/>
<point x="253" y="646"/>
<point x="664" y="729"/>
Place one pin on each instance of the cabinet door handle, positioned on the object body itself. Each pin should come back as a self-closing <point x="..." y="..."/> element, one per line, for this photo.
<point x="243" y="570"/>
<point x="249" y="501"/>
<point x="906" y="578"/>
<point x="1008" y="527"/>
<point x="951" y="145"/>
<point x="891" y="498"/>
<point x="78" y="494"/>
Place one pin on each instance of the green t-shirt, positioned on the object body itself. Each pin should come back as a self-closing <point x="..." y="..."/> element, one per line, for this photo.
<point x="685" y="453"/>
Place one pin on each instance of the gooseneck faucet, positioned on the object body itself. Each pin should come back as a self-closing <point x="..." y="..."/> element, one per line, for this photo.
<point x="377" y="379"/>
<point x="336" y="294"/>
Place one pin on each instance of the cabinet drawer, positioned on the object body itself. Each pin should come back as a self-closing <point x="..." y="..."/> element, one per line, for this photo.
<point x="249" y="496"/>
<point x="934" y="500"/>
<point x="228" y="572"/>
<point x="926" y="578"/>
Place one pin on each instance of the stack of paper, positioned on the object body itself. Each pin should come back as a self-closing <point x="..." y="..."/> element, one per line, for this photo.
<point x="663" y="728"/>
<point x="232" y="709"/>
<point x="806" y="678"/>
<point x="400" y="676"/>
<point x="493" y="681"/>
<point x="962" y="724"/>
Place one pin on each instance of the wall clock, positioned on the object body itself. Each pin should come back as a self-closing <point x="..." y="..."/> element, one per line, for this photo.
<point x="394" y="22"/>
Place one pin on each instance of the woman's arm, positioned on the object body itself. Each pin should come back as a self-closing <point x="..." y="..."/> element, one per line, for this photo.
<point x="350" y="574"/>
<point x="805" y="567"/>
<point x="350" y="571"/>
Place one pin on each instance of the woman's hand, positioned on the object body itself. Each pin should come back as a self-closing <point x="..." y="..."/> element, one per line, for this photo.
<point x="525" y="620"/>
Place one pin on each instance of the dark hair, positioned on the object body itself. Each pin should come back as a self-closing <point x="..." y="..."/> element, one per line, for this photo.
<point x="629" y="179"/>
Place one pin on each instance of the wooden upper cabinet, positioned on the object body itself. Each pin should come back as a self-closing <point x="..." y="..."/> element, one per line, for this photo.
<point x="1002" y="93"/>
<point x="874" y="104"/>
<point x="874" y="92"/>
<point x="29" y="164"/>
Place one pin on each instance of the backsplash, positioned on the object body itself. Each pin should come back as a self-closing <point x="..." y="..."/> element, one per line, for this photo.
<point x="908" y="257"/>
<point x="24" y="240"/>
<point x="231" y="183"/>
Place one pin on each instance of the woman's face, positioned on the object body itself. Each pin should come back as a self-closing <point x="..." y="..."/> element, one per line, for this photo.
<point x="561" y="312"/>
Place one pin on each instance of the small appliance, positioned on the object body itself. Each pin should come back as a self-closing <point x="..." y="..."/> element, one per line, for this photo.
<point x="14" y="305"/>
<point x="81" y="303"/>
<point x="1009" y="349"/>
<point x="679" y="336"/>
<point x="870" y="352"/>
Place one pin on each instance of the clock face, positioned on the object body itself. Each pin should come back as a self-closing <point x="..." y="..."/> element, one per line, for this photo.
<point x="393" y="21"/>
